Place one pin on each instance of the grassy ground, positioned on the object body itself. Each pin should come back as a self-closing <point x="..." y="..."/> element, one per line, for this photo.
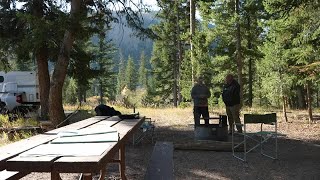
<point x="8" y="135"/>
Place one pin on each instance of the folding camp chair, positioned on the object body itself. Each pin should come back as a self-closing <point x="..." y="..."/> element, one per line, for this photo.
<point x="146" y="131"/>
<point x="261" y="138"/>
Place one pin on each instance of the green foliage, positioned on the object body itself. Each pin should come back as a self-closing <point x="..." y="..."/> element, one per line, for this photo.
<point x="71" y="92"/>
<point x="131" y="75"/>
<point x="121" y="77"/>
<point x="143" y="72"/>
<point x="168" y="49"/>
<point x="186" y="78"/>
<point x="292" y="45"/>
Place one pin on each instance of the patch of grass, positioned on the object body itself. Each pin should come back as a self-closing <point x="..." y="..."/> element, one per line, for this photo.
<point x="8" y="136"/>
<point x="4" y="121"/>
<point x="20" y="122"/>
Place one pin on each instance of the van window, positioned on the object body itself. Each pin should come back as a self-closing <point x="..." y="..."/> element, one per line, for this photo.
<point x="1" y="79"/>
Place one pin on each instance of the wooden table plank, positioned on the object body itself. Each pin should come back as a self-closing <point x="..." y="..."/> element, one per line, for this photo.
<point x="31" y="164"/>
<point x="161" y="162"/>
<point x="12" y="175"/>
<point x="13" y="149"/>
<point x="94" y="138"/>
<point x="19" y="162"/>
<point x="83" y="164"/>
<point x="79" y="125"/>
<point x="90" y="164"/>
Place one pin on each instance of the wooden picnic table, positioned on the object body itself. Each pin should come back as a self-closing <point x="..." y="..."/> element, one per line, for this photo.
<point x="87" y="152"/>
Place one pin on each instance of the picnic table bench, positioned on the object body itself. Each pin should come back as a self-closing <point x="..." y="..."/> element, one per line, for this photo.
<point x="60" y="151"/>
<point x="161" y="163"/>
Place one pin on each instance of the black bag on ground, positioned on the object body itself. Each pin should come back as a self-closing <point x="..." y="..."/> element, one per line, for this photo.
<point x="104" y="110"/>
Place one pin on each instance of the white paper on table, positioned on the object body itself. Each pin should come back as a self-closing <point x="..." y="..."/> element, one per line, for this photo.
<point x="87" y="131"/>
<point x="92" y="138"/>
<point x="57" y="150"/>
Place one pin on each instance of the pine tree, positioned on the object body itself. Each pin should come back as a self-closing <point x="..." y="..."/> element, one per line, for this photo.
<point x="168" y="49"/>
<point x="295" y="30"/>
<point x="121" y="76"/>
<point x="131" y="75"/>
<point x="143" y="76"/>
<point x="232" y="41"/>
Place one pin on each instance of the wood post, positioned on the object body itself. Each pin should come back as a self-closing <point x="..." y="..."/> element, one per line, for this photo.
<point x="285" y="108"/>
<point x="309" y="101"/>
<point x="55" y="176"/>
<point x="86" y="176"/>
<point x="122" y="165"/>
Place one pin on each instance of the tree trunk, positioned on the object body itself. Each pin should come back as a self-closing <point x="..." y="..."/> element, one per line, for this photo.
<point x="44" y="81"/>
<point x="284" y="99"/>
<point x="179" y="61"/>
<point x="317" y="98"/>
<point x="179" y="72"/>
<point x="175" y="78"/>
<point x="192" y="30"/>
<point x="309" y="101"/>
<point x="101" y="92"/>
<point x="41" y="55"/>
<point x="301" y="98"/>
<point x="250" y="73"/>
<point x="238" y="50"/>
<point x="60" y="70"/>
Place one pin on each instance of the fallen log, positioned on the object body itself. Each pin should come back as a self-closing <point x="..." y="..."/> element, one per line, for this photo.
<point x="206" y="145"/>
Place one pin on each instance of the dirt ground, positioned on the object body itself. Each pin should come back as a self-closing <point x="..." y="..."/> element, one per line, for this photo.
<point x="299" y="152"/>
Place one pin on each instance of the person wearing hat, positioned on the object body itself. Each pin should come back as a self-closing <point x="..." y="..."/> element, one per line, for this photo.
<point x="200" y="94"/>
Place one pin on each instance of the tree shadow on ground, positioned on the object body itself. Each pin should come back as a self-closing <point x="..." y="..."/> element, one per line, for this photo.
<point x="297" y="160"/>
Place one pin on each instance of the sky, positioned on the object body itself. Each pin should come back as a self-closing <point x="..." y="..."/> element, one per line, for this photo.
<point x="151" y="3"/>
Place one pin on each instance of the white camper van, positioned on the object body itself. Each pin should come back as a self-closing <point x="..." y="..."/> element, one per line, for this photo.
<point x="19" y="90"/>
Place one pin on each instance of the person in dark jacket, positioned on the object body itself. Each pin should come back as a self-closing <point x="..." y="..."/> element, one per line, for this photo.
<point x="200" y="94"/>
<point x="231" y="98"/>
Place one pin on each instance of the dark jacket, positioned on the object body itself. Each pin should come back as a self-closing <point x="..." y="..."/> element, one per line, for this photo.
<point x="200" y="94"/>
<point x="231" y="93"/>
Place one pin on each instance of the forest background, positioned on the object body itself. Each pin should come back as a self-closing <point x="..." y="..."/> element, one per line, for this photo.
<point x="140" y="57"/>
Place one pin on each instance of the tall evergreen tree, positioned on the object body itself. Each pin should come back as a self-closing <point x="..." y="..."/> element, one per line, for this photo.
<point x="168" y="49"/>
<point x="121" y="76"/>
<point x="143" y="72"/>
<point x="233" y="40"/>
<point x="131" y="75"/>
<point x="67" y="27"/>
<point x="295" y="27"/>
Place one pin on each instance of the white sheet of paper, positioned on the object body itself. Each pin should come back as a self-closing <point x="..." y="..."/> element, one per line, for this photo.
<point x="92" y="138"/>
<point x="87" y="131"/>
<point x="56" y="150"/>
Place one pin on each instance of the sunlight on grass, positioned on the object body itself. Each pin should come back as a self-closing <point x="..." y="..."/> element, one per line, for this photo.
<point x="8" y="135"/>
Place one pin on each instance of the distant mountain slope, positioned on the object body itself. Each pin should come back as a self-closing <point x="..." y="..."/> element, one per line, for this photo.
<point x="127" y="43"/>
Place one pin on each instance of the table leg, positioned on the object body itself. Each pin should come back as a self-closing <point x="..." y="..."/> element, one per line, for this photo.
<point x="86" y="176"/>
<point x="103" y="173"/>
<point x="55" y="176"/>
<point x="122" y="165"/>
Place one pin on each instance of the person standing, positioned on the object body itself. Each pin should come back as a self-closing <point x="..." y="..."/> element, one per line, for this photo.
<point x="200" y="94"/>
<point x="231" y="98"/>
